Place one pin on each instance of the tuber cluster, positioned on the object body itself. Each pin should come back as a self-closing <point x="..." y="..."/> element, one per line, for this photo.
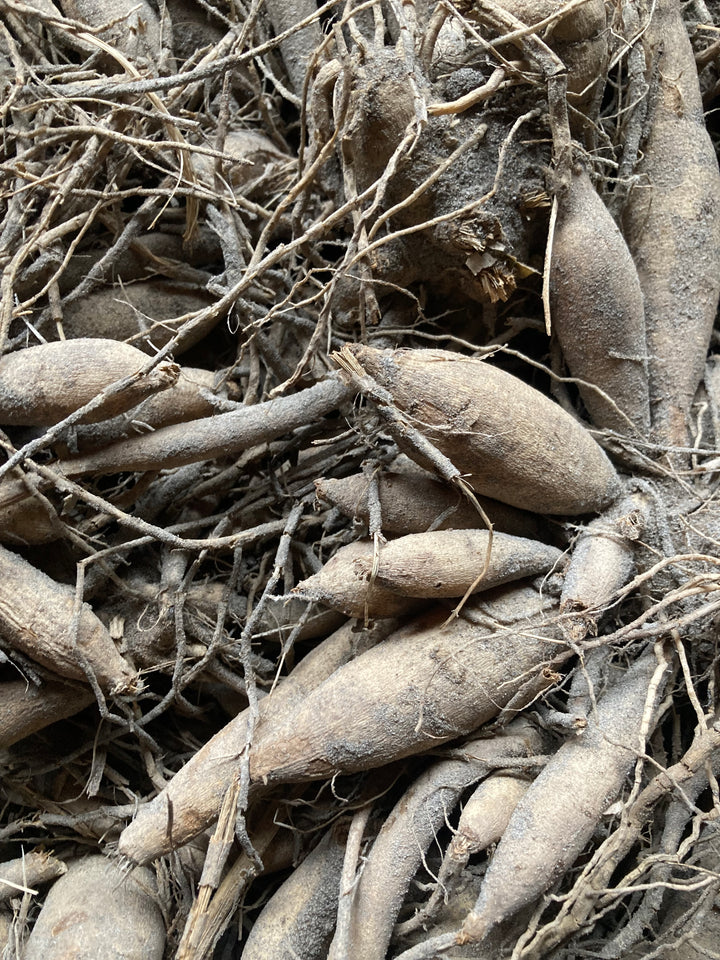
<point x="360" y="445"/>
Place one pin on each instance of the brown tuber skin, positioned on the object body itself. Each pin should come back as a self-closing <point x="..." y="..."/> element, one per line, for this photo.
<point x="23" y="519"/>
<point x="509" y="440"/>
<point x="431" y="681"/>
<point x="25" y="709"/>
<point x="41" y="385"/>
<point x="596" y="307"/>
<point x="398" y="852"/>
<point x="483" y="821"/>
<point x="6" y="927"/>
<point x="558" y="814"/>
<point x="299" y="919"/>
<point x="32" y="869"/>
<point x="36" y="617"/>
<point x="181" y="402"/>
<point x="146" y="311"/>
<point x="344" y="583"/>
<point x="486" y="814"/>
<point x="672" y="225"/>
<point x="297" y="49"/>
<point x="98" y="912"/>
<point x="417" y="502"/>
<point x="448" y="563"/>
<point x="192" y="799"/>
<point x="136" y="29"/>
<point x="209" y="437"/>
<point x="602" y="562"/>
<point x="410" y="829"/>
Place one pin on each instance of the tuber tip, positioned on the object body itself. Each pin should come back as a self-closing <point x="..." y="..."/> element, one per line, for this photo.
<point x="474" y="929"/>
